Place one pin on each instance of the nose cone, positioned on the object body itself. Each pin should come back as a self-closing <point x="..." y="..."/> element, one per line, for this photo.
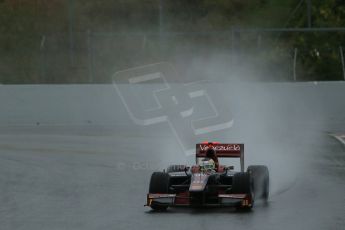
<point x="198" y="182"/>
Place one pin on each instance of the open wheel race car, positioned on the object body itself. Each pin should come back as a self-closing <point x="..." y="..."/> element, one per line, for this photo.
<point x="208" y="183"/>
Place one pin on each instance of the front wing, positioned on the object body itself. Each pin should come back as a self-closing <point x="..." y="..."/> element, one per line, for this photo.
<point x="224" y="200"/>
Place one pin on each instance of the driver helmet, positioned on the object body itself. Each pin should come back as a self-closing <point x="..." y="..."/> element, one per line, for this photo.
<point x="207" y="165"/>
<point x="210" y="153"/>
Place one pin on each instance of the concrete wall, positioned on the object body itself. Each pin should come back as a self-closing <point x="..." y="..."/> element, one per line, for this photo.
<point x="100" y="104"/>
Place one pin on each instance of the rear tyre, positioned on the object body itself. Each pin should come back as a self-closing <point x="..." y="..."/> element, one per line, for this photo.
<point x="159" y="183"/>
<point x="242" y="184"/>
<point x="176" y="168"/>
<point x="260" y="176"/>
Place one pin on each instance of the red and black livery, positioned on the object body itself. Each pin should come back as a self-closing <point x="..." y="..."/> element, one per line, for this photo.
<point x="181" y="185"/>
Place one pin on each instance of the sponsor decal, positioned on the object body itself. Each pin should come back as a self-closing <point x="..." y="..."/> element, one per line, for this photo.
<point x="196" y="186"/>
<point x="223" y="147"/>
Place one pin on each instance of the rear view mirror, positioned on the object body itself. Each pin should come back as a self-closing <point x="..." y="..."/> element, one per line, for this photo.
<point x="230" y="167"/>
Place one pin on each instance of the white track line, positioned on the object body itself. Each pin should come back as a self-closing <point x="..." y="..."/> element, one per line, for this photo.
<point x="340" y="138"/>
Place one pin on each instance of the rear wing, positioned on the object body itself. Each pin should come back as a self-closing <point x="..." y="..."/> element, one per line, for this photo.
<point x="222" y="150"/>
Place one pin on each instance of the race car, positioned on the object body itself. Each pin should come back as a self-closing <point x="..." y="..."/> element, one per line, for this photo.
<point x="209" y="184"/>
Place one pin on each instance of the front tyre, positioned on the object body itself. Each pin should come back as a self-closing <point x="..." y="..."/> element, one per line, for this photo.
<point x="159" y="183"/>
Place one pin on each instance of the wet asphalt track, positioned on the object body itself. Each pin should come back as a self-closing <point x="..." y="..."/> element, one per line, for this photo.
<point x="96" y="176"/>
